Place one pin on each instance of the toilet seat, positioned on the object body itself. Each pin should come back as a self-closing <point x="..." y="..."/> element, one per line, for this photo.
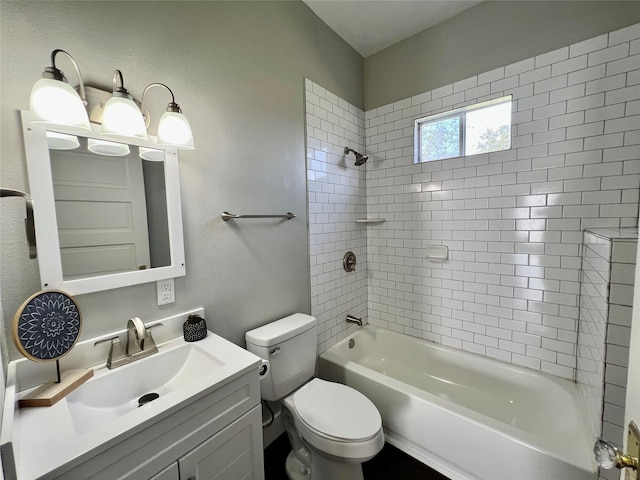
<point x="337" y="420"/>
<point x="336" y="411"/>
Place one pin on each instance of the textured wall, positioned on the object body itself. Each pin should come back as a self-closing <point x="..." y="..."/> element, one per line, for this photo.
<point x="487" y="36"/>
<point x="337" y="197"/>
<point x="237" y="70"/>
<point x="513" y="219"/>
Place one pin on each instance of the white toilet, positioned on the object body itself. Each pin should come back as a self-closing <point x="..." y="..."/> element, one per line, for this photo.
<point x="332" y="428"/>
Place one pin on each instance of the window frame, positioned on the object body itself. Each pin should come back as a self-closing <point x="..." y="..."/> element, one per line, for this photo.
<point x="460" y="113"/>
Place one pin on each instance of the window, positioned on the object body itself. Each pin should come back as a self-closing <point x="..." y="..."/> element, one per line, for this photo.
<point x="481" y="128"/>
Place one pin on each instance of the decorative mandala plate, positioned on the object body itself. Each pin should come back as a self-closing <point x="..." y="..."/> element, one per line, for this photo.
<point x="47" y="326"/>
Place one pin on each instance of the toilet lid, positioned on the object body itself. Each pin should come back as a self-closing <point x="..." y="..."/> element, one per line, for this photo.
<point x="336" y="410"/>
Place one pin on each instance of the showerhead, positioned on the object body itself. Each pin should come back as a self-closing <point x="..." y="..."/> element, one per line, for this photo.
<point x="360" y="159"/>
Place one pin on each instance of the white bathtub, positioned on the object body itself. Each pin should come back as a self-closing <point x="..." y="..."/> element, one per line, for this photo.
<point x="467" y="416"/>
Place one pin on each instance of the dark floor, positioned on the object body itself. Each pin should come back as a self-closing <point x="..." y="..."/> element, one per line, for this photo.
<point x="389" y="464"/>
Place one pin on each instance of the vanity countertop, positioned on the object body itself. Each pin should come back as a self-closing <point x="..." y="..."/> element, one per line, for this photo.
<point x="48" y="440"/>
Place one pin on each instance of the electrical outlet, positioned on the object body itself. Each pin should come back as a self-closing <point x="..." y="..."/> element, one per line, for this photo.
<point x="166" y="291"/>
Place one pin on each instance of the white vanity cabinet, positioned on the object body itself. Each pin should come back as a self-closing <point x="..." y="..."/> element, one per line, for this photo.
<point x="169" y="473"/>
<point x="218" y="435"/>
<point x="230" y="454"/>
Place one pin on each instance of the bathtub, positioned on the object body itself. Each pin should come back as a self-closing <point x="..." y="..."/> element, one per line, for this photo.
<point x="467" y="416"/>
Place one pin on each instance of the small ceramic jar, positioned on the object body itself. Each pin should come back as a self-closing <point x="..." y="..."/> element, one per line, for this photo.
<point x="194" y="329"/>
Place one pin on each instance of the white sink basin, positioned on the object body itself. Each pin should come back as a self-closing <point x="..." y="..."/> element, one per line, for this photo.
<point x="104" y="410"/>
<point x="113" y="393"/>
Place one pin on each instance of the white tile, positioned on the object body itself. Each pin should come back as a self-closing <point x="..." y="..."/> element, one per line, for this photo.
<point x="552" y="57"/>
<point x="520" y="67"/>
<point x="621" y="294"/>
<point x="624" y="252"/>
<point x="465" y="84"/>
<point x="442" y="92"/>
<point x="625" y="64"/>
<point x="588" y="46"/>
<point x="621" y="95"/>
<point x="491" y="76"/>
<point x="604" y="113"/>
<point x="576" y="118"/>
<point x="571" y="65"/>
<point x="568" y="93"/>
<point x="618" y="354"/>
<point x="624" y="34"/>
<point x="553" y="83"/>
<point x="615" y="395"/>
<point x="604" y="84"/>
<point x="608" y="54"/>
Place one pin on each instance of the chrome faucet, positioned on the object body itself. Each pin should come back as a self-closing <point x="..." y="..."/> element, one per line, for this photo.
<point x="140" y="344"/>
<point x="356" y="320"/>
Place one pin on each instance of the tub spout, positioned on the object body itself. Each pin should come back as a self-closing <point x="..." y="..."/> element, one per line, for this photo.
<point x="356" y="320"/>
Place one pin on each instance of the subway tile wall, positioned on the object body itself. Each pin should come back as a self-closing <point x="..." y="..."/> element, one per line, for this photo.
<point x="512" y="220"/>
<point x="594" y="307"/>
<point x="608" y="267"/>
<point x="623" y="263"/>
<point x="337" y="197"/>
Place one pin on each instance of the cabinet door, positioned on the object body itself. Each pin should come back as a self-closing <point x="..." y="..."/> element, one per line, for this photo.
<point x="235" y="453"/>
<point x="169" y="473"/>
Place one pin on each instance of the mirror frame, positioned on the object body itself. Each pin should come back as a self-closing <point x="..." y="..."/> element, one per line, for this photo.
<point x="41" y="187"/>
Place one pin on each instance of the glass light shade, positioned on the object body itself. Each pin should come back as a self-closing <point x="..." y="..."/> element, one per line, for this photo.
<point x="122" y="120"/>
<point x="62" y="141"/>
<point x="152" y="154"/>
<point x="54" y="104"/>
<point x="174" y="131"/>
<point x="109" y="149"/>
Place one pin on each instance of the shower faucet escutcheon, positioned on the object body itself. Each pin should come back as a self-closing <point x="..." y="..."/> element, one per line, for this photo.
<point x="349" y="262"/>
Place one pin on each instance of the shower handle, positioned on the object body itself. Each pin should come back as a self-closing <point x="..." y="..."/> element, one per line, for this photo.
<point x="349" y="262"/>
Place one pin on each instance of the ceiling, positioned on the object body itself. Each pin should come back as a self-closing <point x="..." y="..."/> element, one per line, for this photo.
<point x="372" y="25"/>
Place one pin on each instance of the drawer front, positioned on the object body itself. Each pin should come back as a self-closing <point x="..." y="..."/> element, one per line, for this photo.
<point x="169" y="473"/>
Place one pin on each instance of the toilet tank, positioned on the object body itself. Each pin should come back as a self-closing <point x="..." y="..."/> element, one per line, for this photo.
<point x="289" y="344"/>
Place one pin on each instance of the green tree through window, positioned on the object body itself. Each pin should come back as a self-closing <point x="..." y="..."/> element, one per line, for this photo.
<point x="441" y="139"/>
<point x="470" y="130"/>
<point x="492" y="140"/>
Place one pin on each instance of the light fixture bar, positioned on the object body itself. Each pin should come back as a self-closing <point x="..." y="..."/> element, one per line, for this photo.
<point x="56" y="106"/>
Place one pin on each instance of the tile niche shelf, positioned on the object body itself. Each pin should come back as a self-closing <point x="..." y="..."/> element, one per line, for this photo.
<point x="369" y="220"/>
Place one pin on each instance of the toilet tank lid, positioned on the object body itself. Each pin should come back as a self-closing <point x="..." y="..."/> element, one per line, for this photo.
<point x="280" y="330"/>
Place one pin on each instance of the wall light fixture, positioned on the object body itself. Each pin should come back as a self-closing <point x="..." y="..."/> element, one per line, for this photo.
<point x="55" y="105"/>
<point x="173" y="129"/>
<point x="122" y="119"/>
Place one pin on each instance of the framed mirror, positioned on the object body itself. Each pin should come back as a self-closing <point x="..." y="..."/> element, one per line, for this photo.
<point x="107" y="215"/>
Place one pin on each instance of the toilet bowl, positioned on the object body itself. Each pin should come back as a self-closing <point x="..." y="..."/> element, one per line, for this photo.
<point x="336" y="420"/>
<point x="333" y="428"/>
<point x="340" y="426"/>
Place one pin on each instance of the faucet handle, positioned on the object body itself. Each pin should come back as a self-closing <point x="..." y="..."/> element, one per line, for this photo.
<point x="116" y="352"/>
<point x="105" y="340"/>
<point x="149" y="343"/>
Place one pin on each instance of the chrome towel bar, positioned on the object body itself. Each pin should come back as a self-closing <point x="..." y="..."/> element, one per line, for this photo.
<point x="227" y="216"/>
<point x="29" y="221"/>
